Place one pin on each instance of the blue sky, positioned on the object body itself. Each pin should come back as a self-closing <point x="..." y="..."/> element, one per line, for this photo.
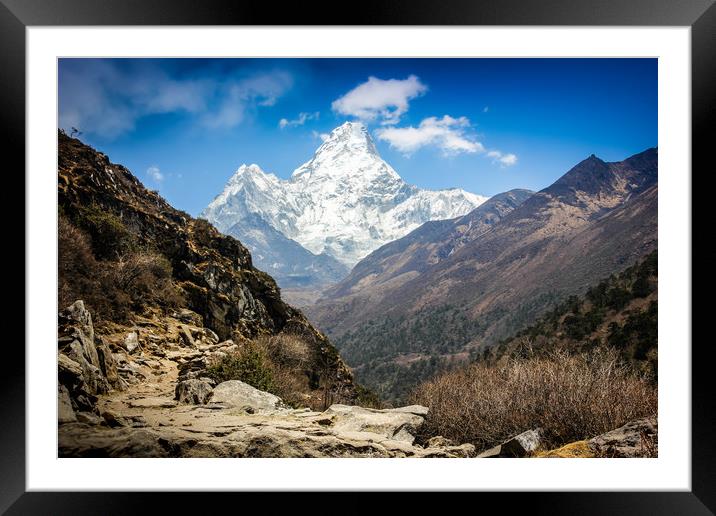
<point x="183" y="126"/>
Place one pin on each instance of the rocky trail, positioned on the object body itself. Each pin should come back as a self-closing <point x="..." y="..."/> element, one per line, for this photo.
<point x="163" y="408"/>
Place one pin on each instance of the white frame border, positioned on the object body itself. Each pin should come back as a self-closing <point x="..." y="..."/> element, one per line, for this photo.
<point x="671" y="471"/>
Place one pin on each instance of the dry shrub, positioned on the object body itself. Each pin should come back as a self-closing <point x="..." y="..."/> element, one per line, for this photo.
<point x="146" y="278"/>
<point x="571" y="397"/>
<point x="110" y="288"/>
<point x="82" y="276"/>
<point x="279" y="364"/>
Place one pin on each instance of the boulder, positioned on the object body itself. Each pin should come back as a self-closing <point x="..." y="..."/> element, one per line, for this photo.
<point x="399" y="424"/>
<point x="93" y="380"/>
<point x="108" y="366"/>
<point x="189" y="317"/>
<point x="186" y="337"/>
<point x="131" y="342"/>
<point x="638" y="438"/>
<point x="193" y="391"/>
<point x="519" y="446"/>
<point x="75" y="327"/>
<point x="69" y="372"/>
<point x="236" y="393"/>
<point x="65" y="413"/>
<point x="90" y="418"/>
<point x="115" y="420"/>
<point x="464" y="451"/>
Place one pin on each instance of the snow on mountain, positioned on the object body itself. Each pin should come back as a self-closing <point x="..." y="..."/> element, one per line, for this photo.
<point x="344" y="202"/>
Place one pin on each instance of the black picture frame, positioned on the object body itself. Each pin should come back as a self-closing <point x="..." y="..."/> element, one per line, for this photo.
<point x="16" y="15"/>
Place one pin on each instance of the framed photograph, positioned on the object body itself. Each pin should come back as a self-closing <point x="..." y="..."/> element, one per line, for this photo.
<point x="283" y="252"/>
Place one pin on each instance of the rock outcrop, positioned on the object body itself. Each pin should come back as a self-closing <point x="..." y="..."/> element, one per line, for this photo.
<point x="237" y="394"/>
<point x="638" y="438"/>
<point x="519" y="446"/>
<point x="86" y="367"/>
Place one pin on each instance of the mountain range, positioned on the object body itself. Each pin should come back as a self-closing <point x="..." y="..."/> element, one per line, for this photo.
<point x="335" y="209"/>
<point x="452" y="287"/>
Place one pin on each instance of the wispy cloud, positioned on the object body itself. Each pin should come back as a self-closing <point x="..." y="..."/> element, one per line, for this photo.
<point x="241" y="95"/>
<point x="505" y="160"/>
<point x="108" y="97"/>
<point x="321" y="136"/>
<point x="447" y="134"/>
<point x="155" y="174"/>
<point x="300" y="120"/>
<point x="378" y="99"/>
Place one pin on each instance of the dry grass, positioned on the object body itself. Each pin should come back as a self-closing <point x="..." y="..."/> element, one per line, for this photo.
<point x="576" y="450"/>
<point x="571" y="397"/>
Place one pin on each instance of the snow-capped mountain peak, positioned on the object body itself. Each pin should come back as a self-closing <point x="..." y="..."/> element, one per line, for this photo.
<point x="348" y="150"/>
<point x="344" y="202"/>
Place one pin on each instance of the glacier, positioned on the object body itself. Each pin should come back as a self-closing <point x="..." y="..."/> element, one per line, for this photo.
<point x="341" y="205"/>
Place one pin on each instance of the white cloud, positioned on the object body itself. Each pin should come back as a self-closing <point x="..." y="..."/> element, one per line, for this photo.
<point x="374" y="99"/>
<point x="505" y="160"/>
<point x="240" y="96"/>
<point x="446" y="133"/>
<point x="302" y="119"/>
<point x="108" y="97"/>
<point x="321" y="136"/>
<point x="156" y="174"/>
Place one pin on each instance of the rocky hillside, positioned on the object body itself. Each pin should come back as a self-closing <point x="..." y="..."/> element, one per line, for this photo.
<point x="403" y="259"/>
<point x="598" y="219"/>
<point x="620" y="312"/>
<point x="129" y="255"/>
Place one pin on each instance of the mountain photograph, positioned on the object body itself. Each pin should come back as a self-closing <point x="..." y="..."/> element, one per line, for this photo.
<point x="305" y="258"/>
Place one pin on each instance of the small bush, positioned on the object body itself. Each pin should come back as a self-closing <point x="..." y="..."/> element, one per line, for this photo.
<point x="146" y="278"/>
<point x="250" y="365"/>
<point x="110" y="237"/>
<point x="203" y="232"/>
<point x="571" y="397"/>
<point x="279" y="364"/>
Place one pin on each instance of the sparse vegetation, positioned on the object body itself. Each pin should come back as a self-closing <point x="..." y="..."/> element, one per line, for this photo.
<point x="620" y="312"/>
<point x="203" y="232"/>
<point x="111" y="286"/>
<point x="283" y="365"/>
<point x="250" y="365"/>
<point x="571" y="397"/>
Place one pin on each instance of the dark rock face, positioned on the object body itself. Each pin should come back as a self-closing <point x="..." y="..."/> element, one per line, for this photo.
<point x="214" y="272"/>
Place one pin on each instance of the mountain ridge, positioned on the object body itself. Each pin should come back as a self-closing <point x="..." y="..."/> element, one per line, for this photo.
<point x="344" y="202"/>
